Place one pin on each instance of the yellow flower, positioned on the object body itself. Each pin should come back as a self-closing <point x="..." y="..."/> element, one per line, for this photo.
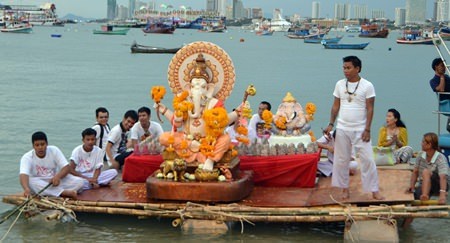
<point x="157" y="93"/>
<point x="310" y="108"/>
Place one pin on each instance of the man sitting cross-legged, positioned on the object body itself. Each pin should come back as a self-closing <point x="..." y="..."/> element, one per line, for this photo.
<point x="87" y="160"/>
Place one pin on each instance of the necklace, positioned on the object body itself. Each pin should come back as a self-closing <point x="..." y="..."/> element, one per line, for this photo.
<point x="350" y="94"/>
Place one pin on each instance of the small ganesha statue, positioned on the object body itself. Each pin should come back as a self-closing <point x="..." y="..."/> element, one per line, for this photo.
<point x="290" y="118"/>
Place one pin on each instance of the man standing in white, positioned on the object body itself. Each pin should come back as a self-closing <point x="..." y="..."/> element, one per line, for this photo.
<point x="87" y="160"/>
<point x="354" y="99"/>
<point x="46" y="164"/>
<point x="145" y="128"/>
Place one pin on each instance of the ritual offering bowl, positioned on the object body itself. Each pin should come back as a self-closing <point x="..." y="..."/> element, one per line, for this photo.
<point x="204" y="175"/>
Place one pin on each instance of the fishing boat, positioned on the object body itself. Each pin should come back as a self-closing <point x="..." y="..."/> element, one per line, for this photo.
<point x="359" y="46"/>
<point x="352" y="28"/>
<point x="415" y="37"/>
<point x="317" y="40"/>
<point x="19" y="28"/>
<point x="264" y="32"/>
<point x="202" y="21"/>
<point x="136" y="48"/>
<point x="214" y="27"/>
<point x="109" y="30"/>
<point x="373" y="31"/>
<point x="159" y="26"/>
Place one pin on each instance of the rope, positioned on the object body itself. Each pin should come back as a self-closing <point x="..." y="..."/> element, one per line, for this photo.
<point x="231" y="215"/>
<point x="348" y="214"/>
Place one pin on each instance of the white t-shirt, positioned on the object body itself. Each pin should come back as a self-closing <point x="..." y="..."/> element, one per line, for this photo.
<point x="106" y="131"/>
<point x="353" y="111"/>
<point x="87" y="161"/>
<point x="33" y="166"/>
<point x="118" y="138"/>
<point x="252" y="135"/>
<point x="232" y="133"/>
<point x="137" y="131"/>
<point x="323" y="140"/>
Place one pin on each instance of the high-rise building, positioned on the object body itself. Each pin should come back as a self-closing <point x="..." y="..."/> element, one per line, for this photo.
<point x="219" y="6"/>
<point x="315" y="10"/>
<point x="441" y="10"/>
<point x="415" y="11"/>
<point x="122" y="12"/>
<point x="238" y="9"/>
<point x="378" y="14"/>
<point x="131" y="8"/>
<point x="257" y="13"/>
<point x="111" y="9"/>
<point x="359" y="11"/>
<point x="342" y="11"/>
<point x="400" y="16"/>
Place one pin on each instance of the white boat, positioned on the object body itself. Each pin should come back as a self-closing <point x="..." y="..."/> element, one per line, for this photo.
<point x="44" y="15"/>
<point x="352" y="28"/>
<point x="278" y="23"/>
<point x="22" y="28"/>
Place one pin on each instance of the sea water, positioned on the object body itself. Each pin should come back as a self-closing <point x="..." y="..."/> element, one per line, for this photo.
<point x="55" y="85"/>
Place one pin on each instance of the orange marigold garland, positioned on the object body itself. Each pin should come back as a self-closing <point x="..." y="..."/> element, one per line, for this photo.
<point x="181" y="106"/>
<point x="280" y="123"/>
<point x="216" y="120"/>
<point x="157" y="94"/>
<point x="170" y="141"/>
<point x="267" y="117"/>
<point x="313" y="138"/>
<point x="310" y="110"/>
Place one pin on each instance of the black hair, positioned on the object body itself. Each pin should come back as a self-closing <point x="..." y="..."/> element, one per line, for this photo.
<point x="436" y="62"/>
<point x="396" y="114"/>
<point x="269" y="107"/>
<point x="100" y="109"/>
<point x="131" y="114"/>
<point x="38" y="136"/>
<point x="354" y="60"/>
<point x="88" y="132"/>
<point x="145" y="109"/>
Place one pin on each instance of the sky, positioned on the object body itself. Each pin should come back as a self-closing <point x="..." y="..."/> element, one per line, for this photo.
<point x="97" y="8"/>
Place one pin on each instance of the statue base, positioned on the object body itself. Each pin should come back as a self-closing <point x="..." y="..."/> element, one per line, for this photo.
<point x="212" y="191"/>
<point x="233" y="166"/>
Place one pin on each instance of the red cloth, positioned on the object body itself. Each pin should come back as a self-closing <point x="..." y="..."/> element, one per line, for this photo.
<point x="270" y="171"/>
<point x="282" y="171"/>
<point x="138" y="167"/>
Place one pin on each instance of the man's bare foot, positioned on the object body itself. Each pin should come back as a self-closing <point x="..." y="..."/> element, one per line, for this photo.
<point x="345" y="193"/>
<point x="424" y="197"/>
<point x="377" y="196"/>
<point x="94" y="185"/>
<point x="69" y="193"/>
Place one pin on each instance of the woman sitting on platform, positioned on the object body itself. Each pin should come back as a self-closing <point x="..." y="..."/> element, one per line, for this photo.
<point x="395" y="135"/>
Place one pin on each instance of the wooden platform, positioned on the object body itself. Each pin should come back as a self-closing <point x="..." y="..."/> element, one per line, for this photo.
<point x="393" y="184"/>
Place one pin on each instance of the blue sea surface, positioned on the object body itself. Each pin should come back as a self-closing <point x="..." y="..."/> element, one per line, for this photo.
<point x="55" y="85"/>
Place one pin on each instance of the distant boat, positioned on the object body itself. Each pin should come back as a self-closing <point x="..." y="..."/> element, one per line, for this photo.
<point x="136" y="48"/>
<point x="352" y="28"/>
<point x="266" y="32"/>
<point x="316" y="40"/>
<point x="216" y="27"/>
<point x="109" y="30"/>
<point x="158" y="26"/>
<point x="56" y="35"/>
<point x="415" y="37"/>
<point x="373" y="31"/>
<point x="18" y="28"/>
<point x="345" y="46"/>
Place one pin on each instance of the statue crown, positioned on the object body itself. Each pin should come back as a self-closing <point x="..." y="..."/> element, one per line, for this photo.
<point x="200" y="69"/>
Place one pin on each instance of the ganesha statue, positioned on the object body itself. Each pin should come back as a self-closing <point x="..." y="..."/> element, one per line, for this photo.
<point x="201" y="76"/>
<point x="290" y="119"/>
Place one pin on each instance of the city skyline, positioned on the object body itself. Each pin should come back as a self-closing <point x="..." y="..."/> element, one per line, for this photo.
<point x="97" y="8"/>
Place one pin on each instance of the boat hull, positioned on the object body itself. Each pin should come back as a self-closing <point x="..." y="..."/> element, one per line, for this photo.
<point x="136" y="48"/>
<point x="379" y="34"/>
<point x="21" y="30"/>
<point x="345" y="46"/>
<point x="415" y="42"/>
<point x="111" y="32"/>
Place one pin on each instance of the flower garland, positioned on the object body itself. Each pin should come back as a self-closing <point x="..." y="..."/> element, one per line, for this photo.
<point x="267" y="117"/>
<point x="216" y="120"/>
<point x="181" y="106"/>
<point x="310" y="110"/>
<point x="157" y="93"/>
<point x="280" y="123"/>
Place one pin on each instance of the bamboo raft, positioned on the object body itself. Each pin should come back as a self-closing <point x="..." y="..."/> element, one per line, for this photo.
<point x="265" y="204"/>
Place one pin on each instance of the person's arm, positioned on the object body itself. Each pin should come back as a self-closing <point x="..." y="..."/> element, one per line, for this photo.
<point x="441" y="86"/>
<point x="370" y="103"/>
<point x="414" y="176"/>
<point x="109" y="154"/>
<point x="334" y="113"/>
<point x="402" y="138"/>
<point x="24" y="182"/>
<point x="73" y="167"/>
<point x="61" y="174"/>
<point x="442" y="189"/>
